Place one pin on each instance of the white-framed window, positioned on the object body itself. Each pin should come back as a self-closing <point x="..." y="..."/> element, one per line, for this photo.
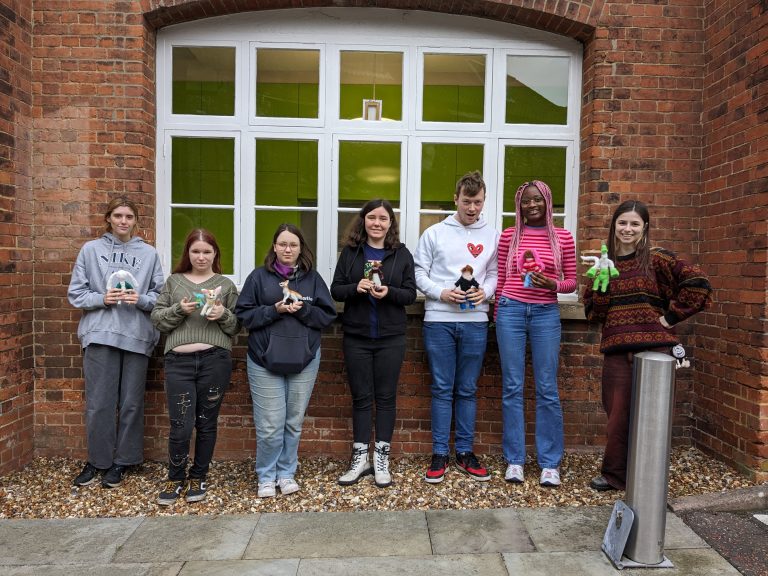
<point x="304" y="115"/>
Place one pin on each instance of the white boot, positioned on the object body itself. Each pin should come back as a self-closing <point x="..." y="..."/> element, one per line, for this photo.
<point x="381" y="464"/>
<point x="359" y="465"/>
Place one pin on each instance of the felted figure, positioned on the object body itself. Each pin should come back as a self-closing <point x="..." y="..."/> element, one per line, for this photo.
<point x="529" y="263"/>
<point x="289" y="295"/>
<point x="467" y="283"/>
<point x="211" y="296"/>
<point x="603" y="269"/>
<point x="121" y="280"/>
<point x="372" y="272"/>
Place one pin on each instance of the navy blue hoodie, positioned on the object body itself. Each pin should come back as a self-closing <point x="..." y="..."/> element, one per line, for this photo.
<point x="284" y="343"/>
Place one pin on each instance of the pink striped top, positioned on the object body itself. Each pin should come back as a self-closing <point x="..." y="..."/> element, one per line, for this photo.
<point x="510" y="282"/>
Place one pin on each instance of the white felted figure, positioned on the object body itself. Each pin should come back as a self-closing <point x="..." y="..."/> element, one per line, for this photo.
<point x="211" y="296"/>
<point x="121" y="280"/>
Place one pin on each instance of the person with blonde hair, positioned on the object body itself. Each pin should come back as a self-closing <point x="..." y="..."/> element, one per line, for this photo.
<point x="115" y="282"/>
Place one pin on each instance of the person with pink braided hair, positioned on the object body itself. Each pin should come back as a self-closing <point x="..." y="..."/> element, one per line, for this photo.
<point x="532" y="313"/>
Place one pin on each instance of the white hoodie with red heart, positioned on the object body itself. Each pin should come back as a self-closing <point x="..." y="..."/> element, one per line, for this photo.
<point x="444" y="249"/>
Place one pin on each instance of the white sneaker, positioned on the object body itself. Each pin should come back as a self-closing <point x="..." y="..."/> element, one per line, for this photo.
<point x="514" y="474"/>
<point x="266" y="490"/>
<point x="288" y="486"/>
<point x="550" y="477"/>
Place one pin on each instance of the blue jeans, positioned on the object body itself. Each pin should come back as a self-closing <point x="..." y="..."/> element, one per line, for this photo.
<point x="516" y="321"/>
<point x="455" y="351"/>
<point x="279" y="404"/>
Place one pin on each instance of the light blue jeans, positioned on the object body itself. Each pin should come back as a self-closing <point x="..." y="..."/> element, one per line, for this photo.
<point x="279" y="404"/>
<point x="455" y="351"/>
<point x="540" y="323"/>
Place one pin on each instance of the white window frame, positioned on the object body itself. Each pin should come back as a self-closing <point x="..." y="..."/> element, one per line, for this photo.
<point x="331" y="30"/>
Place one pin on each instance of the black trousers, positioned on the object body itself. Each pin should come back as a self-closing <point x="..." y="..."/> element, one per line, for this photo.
<point x="195" y="384"/>
<point x="373" y="368"/>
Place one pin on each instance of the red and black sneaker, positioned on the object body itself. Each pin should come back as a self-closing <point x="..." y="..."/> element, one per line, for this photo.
<point x="468" y="464"/>
<point x="436" y="471"/>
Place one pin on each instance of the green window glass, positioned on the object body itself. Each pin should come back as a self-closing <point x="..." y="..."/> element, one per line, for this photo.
<point x="287" y="83"/>
<point x="286" y="175"/>
<point x="526" y="163"/>
<point x="202" y="193"/>
<point x="371" y="76"/>
<point x="442" y="165"/>
<point x="537" y="90"/>
<point x="454" y="88"/>
<point x="220" y="222"/>
<point x="203" y="80"/>
<point x="202" y="170"/>
<point x="367" y="170"/>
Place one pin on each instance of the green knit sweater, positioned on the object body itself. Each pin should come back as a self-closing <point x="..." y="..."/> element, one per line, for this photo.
<point x="180" y="328"/>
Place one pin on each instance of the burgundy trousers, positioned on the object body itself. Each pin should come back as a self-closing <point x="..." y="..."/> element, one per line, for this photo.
<point x="617" y="403"/>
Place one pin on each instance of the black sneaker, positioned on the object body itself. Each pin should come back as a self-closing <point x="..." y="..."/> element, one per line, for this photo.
<point x="114" y="476"/>
<point x="171" y="491"/>
<point x="87" y="476"/>
<point x="436" y="471"/>
<point x="196" y="488"/>
<point x="469" y="464"/>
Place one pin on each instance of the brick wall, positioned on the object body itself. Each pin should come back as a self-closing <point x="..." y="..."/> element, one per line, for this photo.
<point x="644" y="72"/>
<point x="16" y="213"/>
<point x="731" y="407"/>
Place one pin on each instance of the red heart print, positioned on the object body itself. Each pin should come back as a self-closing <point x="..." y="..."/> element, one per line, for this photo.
<point x="475" y="250"/>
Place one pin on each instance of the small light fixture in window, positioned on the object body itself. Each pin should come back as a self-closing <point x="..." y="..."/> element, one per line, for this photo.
<point x="372" y="110"/>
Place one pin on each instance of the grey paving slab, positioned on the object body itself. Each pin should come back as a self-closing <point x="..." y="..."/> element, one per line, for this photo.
<point x="340" y="534"/>
<point x="71" y="541"/>
<point x="449" y="565"/>
<point x="477" y="531"/>
<point x="678" y="535"/>
<point x="570" y="563"/>
<point x="566" y="529"/>
<point x="691" y="562"/>
<point x="168" y="569"/>
<point x="177" y="538"/>
<point x="242" y="568"/>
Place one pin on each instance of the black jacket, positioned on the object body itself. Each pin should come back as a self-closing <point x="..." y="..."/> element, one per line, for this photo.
<point x="398" y="271"/>
<point x="284" y="343"/>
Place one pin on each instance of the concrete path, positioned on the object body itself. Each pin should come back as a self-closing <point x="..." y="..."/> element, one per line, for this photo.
<point x="503" y="542"/>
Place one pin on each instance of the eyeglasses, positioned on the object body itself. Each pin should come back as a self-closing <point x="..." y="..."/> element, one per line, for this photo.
<point x="286" y="245"/>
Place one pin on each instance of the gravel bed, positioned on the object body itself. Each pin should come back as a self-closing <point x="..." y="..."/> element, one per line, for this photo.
<point x="44" y="488"/>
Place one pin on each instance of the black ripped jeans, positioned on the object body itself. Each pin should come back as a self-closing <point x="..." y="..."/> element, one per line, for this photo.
<point x="195" y="384"/>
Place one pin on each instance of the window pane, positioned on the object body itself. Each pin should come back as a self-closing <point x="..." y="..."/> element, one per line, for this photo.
<point x="368" y="170"/>
<point x="203" y="80"/>
<point x="454" y="88"/>
<point x="202" y="170"/>
<point x="286" y="172"/>
<point x="537" y="90"/>
<point x="267" y="222"/>
<point x="287" y="83"/>
<point x="220" y="222"/>
<point x="371" y="76"/>
<point x="532" y="163"/>
<point x="442" y="165"/>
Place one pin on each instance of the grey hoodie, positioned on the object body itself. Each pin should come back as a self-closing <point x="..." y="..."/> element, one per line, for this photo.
<point x="123" y="326"/>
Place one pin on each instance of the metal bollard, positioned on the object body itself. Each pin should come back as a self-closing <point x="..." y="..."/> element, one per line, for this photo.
<point x="653" y="401"/>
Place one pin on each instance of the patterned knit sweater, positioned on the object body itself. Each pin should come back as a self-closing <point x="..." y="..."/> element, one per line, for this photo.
<point x="635" y="301"/>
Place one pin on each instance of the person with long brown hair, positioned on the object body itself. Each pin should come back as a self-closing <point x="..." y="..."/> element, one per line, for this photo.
<point x="285" y="305"/>
<point x="198" y="360"/>
<point x="374" y="324"/>
<point x="655" y="290"/>
<point x="115" y="282"/>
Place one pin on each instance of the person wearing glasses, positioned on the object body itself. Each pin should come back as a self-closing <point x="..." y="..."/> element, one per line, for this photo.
<point x="284" y="305"/>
